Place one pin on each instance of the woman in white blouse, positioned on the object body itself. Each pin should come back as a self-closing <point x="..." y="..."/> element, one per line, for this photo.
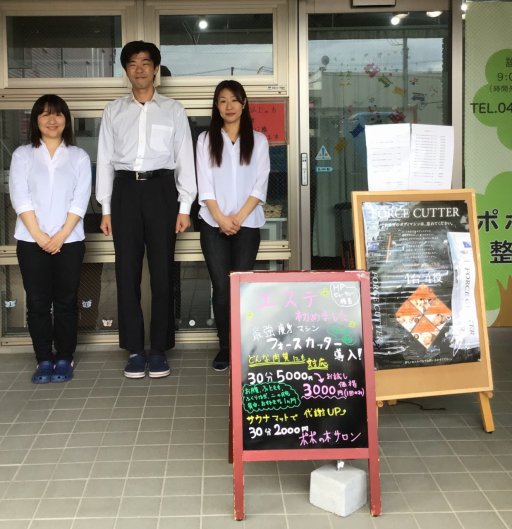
<point x="50" y="187"/>
<point x="233" y="164"/>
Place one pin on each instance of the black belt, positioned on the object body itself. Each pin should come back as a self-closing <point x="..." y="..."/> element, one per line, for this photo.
<point x="143" y="175"/>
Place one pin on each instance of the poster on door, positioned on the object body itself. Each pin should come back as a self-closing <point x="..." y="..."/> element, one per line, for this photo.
<point x="269" y="118"/>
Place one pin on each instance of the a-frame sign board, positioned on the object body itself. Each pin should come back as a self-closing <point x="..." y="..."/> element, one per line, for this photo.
<point x="430" y="335"/>
<point x="302" y="374"/>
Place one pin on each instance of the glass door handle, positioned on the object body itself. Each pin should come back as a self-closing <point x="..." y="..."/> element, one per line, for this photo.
<point x="304" y="169"/>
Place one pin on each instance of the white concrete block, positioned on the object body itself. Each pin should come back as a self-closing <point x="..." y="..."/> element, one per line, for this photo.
<point x="341" y="492"/>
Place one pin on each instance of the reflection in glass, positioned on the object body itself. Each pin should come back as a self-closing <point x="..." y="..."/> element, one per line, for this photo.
<point x="193" y="294"/>
<point x="364" y="71"/>
<point x="276" y="207"/>
<point x="63" y="46"/>
<point x="97" y="298"/>
<point x="193" y="297"/>
<point x="13" y="133"/>
<point x="235" y="44"/>
<point x="12" y="301"/>
<point x="86" y="135"/>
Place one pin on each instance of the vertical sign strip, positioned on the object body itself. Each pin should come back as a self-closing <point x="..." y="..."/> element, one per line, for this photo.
<point x="488" y="146"/>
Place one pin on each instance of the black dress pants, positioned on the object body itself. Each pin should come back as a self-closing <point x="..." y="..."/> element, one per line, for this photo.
<point x="144" y="218"/>
<point x="224" y="254"/>
<point x="51" y="284"/>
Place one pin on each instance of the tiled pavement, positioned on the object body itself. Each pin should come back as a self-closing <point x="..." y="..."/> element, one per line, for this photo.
<point x="105" y="452"/>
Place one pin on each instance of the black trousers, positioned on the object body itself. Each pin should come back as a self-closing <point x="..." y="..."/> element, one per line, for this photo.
<point x="51" y="284"/>
<point x="144" y="218"/>
<point x="224" y="254"/>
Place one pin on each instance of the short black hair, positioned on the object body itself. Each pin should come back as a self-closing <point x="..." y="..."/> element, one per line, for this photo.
<point x="55" y="105"/>
<point x="137" y="46"/>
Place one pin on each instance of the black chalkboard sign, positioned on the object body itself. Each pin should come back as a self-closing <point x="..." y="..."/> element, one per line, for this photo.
<point x="302" y="378"/>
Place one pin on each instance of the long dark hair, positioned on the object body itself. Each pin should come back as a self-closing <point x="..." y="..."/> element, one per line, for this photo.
<point x="54" y="105"/>
<point x="216" y="124"/>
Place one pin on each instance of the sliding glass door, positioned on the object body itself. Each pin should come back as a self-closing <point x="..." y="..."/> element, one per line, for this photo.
<point x="364" y="68"/>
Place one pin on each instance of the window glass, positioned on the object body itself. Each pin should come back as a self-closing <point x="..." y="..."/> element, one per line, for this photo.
<point x="86" y="135"/>
<point x="13" y="133"/>
<point x="97" y="299"/>
<point x="365" y="70"/>
<point x="216" y="45"/>
<point x="63" y="46"/>
<point x="193" y="294"/>
<point x="193" y="307"/>
<point x="276" y="207"/>
<point x="13" y="307"/>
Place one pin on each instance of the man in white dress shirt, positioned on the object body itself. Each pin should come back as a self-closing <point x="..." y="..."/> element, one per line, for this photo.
<point x="145" y="167"/>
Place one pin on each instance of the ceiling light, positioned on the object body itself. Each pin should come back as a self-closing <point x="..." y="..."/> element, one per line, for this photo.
<point x="203" y="23"/>
<point x="434" y="14"/>
<point x="397" y="18"/>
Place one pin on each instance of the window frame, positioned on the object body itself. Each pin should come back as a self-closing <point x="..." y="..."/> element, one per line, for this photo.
<point x="275" y="83"/>
<point x="12" y="8"/>
<point x="87" y="97"/>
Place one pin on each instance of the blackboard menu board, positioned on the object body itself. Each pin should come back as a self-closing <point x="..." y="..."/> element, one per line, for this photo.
<point x="302" y="378"/>
<point x="302" y="365"/>
<point x="422" y="280"/>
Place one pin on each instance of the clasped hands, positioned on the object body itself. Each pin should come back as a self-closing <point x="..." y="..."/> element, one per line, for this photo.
<point x="229" y="224"/>
<point x="51" y="245"/>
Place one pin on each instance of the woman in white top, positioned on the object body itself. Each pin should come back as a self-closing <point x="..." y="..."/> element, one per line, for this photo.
<point x="50" y="187"/>
<point x="233" y="164"/>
